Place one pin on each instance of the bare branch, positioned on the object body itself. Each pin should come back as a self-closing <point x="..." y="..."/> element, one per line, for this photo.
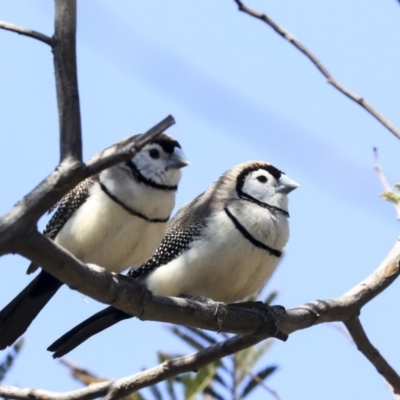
<point x="87" y="393"/>
<point x="22" y="218"/>
<point x="385" y="183"/>
<point x="132" y="297"/>
<point x="170" y="368"/>
<point x="122" y="387"/>
<point x="296" y="43"/>
<point x="26" y="32"/>
<point x="64" y="50"/>
<point x="126" y="148"/>
<point x="350" y="303"/>
<point x="360" y="338"/>
<point x="125" y="386"/>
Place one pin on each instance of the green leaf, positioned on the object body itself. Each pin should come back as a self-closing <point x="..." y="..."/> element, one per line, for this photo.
<point x="263" y="374"/>
<point x="156" y="392"/>
<point x="208" y="338"/>
<point x="187" y="338"/>
<point x="271" y="297"/>
<point x="202" y="380"/>
<point x="246" y="359"/>
<point x="391" y="196"/>
<point x="171" y="388"/>
<point x="214" y="395"/>
<point x="134" y="396"/>
<point x="165" y="356"/>
<point x="218" y="378"/>
<point x="8" y="361"/>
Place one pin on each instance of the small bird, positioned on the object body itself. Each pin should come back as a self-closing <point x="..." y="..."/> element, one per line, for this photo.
<point x="115" y="219"/>
<point x="223" y="245"/>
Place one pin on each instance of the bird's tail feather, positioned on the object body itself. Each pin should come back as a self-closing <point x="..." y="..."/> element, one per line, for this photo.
<point x="95" y="324"/>
<point x="16" y="317"/>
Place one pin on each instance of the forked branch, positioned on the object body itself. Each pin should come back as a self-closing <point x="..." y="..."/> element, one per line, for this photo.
<point x="345" y="308"/>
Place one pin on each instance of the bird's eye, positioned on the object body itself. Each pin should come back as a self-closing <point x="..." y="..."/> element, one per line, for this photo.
<point x="262" y="179"/>
<point x="154" y="153"/>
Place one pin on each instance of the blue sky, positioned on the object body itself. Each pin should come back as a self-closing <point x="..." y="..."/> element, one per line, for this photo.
<point x="238" y="92"/>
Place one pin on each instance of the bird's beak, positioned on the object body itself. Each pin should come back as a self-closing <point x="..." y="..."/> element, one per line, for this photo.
<point x="286" y="185"/>
<point x="177" y="159"/>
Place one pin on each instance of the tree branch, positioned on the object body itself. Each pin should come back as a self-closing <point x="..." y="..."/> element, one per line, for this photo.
<point x="350" y="303"/>
<point x="133" y="297"/>
<point x="22" y="218"/>
<point x="296" y="43"/>
<point x="64" y="50"/>
<point x="360" y="338"/>
<point x="26" y="32"/>
<point x="126" y="149"/>
<point x="120" y="388"/>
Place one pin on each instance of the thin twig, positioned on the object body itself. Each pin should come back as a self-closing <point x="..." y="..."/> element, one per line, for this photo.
<point x="65" y="68"/>
<point x="385" y="183"/>
<point x="26" y="32"/>
<point x="286" y="35"/>
<point x="360" y="338"/>
<point x="126" y="148"/>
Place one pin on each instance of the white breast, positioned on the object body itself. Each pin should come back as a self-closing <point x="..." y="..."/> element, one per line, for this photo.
<point x="103" y="233"/>
<point x="224" y="265"/>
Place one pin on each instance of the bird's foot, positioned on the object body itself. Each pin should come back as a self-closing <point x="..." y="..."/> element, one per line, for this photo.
<point x="270" y="315"/>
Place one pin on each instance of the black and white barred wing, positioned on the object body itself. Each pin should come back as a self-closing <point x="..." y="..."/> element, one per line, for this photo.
<point x="184" y="228"/>
<point x="65" y="209"/>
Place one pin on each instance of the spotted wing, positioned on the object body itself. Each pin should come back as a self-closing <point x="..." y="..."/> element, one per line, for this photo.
<point x="184" y="228"/>
<point x="65" y="209"/>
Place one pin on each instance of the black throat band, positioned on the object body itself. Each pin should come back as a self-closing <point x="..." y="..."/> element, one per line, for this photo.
<point x="148" y="182"/>
<point x="247" y="197"/>
<point x="250" y="238"/>
<point x="130" y="210"/>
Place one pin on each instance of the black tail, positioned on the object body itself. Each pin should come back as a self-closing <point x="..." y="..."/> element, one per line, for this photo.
<point x="95" y="324"/>
<point x="16" y="317"/>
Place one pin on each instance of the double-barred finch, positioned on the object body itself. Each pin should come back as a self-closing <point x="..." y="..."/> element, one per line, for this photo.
<point x="115" y="219"/>
<point x="223" y="245"/>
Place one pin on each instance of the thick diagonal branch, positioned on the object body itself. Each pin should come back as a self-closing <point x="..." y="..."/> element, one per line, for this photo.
<point x="296" y="43"/>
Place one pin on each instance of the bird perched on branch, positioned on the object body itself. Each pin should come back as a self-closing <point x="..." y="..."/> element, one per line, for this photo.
<point x="115" y="219"/>
<point x="223" y="245"/>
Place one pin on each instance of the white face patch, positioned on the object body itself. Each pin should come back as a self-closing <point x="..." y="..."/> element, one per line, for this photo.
<point x="260" y="185"/>
<point x="152" y="161"/>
